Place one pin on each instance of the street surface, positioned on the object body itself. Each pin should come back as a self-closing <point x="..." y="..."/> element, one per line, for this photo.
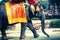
<point x="54" y="34"/>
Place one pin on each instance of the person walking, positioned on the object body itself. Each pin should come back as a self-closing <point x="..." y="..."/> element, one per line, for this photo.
<point x="4" y="19"/>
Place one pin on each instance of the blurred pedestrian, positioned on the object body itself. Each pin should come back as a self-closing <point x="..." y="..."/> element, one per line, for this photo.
<point x="4" y="20"/>
<point x="39" y="12"/>
<point x="30" y="11"/>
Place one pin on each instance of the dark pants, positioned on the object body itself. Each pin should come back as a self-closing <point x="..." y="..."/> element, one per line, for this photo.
<point x="23" y="28"/>
<point x="3" y="20"/>
<point x="43" y="23"/>
<point x="30" y="26"/>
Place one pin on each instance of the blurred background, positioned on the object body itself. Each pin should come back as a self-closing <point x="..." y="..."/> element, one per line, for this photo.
<point x="52" y="22"/>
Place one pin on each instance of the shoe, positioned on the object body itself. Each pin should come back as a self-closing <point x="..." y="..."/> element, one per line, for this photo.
<point x="21" y="38"/>
<point x="48" y="36"/>
<point x="24" y="36"/>
<point x="36" y="36"/>
<point x="4" y="38"/>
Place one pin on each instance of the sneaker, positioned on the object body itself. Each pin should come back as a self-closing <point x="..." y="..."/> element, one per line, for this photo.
<point x="36" y="36"/>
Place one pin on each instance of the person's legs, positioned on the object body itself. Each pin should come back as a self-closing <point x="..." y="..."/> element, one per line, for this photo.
<point x="43" y="24"/>
<point x="3" y="29"/>
<point x="30" y="26"/>
<point x="23" y="28"/>
<point x="3" y="24"/>
<point x="42" y="28"/>
<point x="4" y="36"/>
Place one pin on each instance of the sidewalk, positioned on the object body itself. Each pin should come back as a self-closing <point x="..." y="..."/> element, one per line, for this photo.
<point x="47" y="30"/>
<point x="54" y="34"/>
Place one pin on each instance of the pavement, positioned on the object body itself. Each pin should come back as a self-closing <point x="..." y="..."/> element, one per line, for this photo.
<point x="54" y="34"/>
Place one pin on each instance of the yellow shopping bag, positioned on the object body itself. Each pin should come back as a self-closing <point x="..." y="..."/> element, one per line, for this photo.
<point x="37" y="8"/>
<point x="15" y="12"/>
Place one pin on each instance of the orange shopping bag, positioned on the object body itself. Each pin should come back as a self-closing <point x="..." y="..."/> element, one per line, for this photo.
<point x="15" y="12"/>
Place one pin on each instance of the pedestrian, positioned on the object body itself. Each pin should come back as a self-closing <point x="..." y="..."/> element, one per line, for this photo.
<point x="4" y="19"/>
<point x="30" y="12"/>
<point x="39" y="12"/>
<point x="36" y="13"/>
